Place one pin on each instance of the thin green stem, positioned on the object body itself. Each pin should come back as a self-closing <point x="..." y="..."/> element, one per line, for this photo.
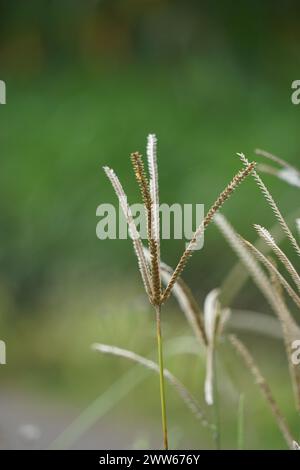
<point x="161" y="379"/>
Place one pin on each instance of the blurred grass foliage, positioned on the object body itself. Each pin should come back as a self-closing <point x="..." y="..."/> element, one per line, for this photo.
<point x="58" y="130"/>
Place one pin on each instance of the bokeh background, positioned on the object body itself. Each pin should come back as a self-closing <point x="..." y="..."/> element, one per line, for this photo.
<point x="86" y="82"/>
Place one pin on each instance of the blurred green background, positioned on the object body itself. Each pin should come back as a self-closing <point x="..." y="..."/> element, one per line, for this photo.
<point x="86" y="82"/>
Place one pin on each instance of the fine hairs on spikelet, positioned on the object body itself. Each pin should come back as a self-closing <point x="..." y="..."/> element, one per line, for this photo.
<point x="152" y="278"/>
<point x="264" y="387"/>
<point x="266" y="193"/>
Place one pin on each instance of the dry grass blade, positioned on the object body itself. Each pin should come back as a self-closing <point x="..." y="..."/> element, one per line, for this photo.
<point x="264" y="387"/>
<point x="186" y="396"/>
<point x="289" y="328"/>
<point x="270" y="266"/>
<point x="223" y="197"/>
<point x="137" y="243"/>
<point x="267" y="237"/>
<point x="152" y="211"/>
<point x="273" y="205"/>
